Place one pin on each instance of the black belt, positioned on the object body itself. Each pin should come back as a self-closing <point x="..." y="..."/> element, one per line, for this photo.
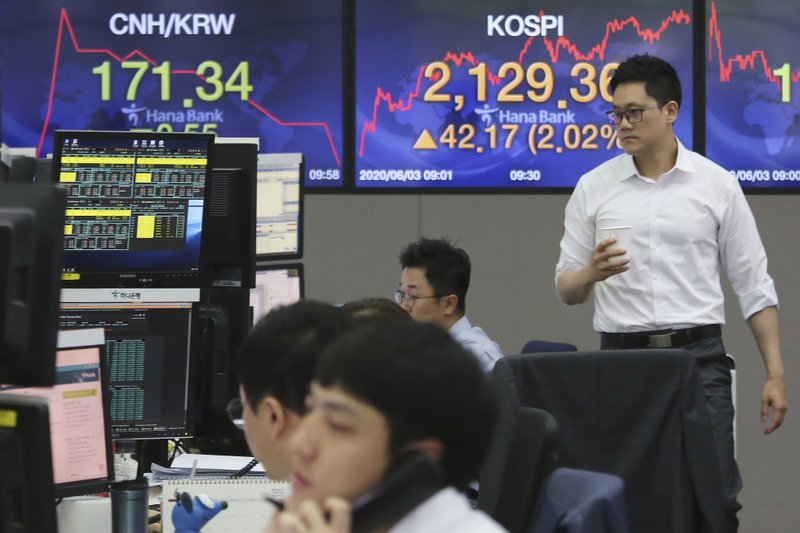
<point x="665" y="338"/>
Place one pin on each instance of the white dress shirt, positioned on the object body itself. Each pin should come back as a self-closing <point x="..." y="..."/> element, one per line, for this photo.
<point x="447" y="511"/>
<point x="475" y="340"/>
<point x="685" y="226"/>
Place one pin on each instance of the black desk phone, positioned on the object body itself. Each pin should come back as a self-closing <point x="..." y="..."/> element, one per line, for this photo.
<point x="410" y="479"/>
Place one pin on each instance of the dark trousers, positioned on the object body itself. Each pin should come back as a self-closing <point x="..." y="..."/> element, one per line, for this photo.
<point x="715" y="367"/>
<point x="715" y="372"/>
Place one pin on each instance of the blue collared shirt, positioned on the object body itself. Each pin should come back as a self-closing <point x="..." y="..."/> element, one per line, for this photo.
<point x="475" y="340"/>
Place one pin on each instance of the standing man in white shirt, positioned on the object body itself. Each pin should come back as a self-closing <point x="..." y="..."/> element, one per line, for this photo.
<point x="433" y="289"/>
<point x="689" y="220"/>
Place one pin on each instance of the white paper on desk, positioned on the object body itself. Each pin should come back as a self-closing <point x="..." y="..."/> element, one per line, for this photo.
<point x="219" y="463"/>
<point x="208" y="466"/>
<point x="247" y="510"/>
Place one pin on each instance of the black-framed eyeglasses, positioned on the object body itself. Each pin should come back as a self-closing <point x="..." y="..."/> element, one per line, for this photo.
<point x="235" y="410"/>
<point x="633" y="116"/>
<point x="409" y="299"/>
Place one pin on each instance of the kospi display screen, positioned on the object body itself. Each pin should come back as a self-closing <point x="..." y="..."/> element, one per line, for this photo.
<point x="753" y="100"/>
<point x="238" y="68"/>
<point x="506" y="94"/>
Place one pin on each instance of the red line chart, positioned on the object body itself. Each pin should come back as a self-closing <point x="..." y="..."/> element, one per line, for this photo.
<point x="740" y="62"/>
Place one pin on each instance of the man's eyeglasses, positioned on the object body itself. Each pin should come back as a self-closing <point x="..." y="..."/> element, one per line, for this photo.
<point x="633" y="116"/>
<point x="409" y="299"/>
<point x="235" y="410"/>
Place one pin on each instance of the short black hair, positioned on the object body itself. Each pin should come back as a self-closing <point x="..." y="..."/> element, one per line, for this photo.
<point x="426" y="385"/>
<point x="447" y="268"/>
<point x="278" y="357"/>
<point x="660" y="79"/>
<point x="366" y="310"/>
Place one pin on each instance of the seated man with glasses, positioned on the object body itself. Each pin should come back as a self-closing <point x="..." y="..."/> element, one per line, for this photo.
<point x="433" y="289"/>
<point x="275" y="366"/>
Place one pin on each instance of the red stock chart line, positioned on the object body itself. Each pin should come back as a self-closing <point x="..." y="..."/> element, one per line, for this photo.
<point x="554" y="49"/>
<point x="752" y="60"/>
<point x="64" y="22"/>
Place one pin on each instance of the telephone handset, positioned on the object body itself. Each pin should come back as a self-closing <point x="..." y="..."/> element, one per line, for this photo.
<point x="411" y="479"/>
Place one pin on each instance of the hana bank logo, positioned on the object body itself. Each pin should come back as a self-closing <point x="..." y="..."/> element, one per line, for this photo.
<point x="133" y="113"/>
<point x="485" y="114"/>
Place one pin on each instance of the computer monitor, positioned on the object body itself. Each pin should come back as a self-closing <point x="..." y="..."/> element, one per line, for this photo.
<point x="79" y="424"/>
<point x="148" y="354"/>
<point x="26" y="471"/>
<point x="31" y="221"/>
<point x="279" y="206"/>
<point x="135" y="207"/>
<point x="276" y="285"/>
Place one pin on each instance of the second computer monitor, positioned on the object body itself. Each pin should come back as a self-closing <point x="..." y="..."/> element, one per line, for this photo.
<point x="279" y="206"/>
<point x="148" y="350"/>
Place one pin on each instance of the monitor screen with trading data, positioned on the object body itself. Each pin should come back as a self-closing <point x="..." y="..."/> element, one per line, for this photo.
<point x="134" y="207"/>
<point x="148" y="348"/>
<point x="276" y="285"/>
<point x="279" y="206"/>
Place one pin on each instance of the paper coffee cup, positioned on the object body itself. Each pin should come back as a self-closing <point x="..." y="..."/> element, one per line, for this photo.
<point x="623" y="236"/>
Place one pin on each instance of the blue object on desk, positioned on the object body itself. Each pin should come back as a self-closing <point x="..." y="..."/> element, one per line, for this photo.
<point x="190" y="514"/>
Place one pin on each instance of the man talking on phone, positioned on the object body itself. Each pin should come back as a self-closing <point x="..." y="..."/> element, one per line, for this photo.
<point x="398" y="421"/>
<point x="688" y="220"/>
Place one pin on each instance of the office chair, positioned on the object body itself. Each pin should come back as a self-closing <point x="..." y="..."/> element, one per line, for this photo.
<point x="538" y="346"/>
<point x="637" y="414"/>
<point x="531" y="458"/>
<point x="579" y="501"/>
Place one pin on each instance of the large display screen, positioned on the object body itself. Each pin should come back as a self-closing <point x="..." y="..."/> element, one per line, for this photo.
<point x="753" y="104"/>
<point x="506" y="94"/>
<point x="237" y="68"/>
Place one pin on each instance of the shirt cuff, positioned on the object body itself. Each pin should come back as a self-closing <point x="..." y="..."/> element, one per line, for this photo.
<point x="564" y="266"/>
<point x="759" y="298"/>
